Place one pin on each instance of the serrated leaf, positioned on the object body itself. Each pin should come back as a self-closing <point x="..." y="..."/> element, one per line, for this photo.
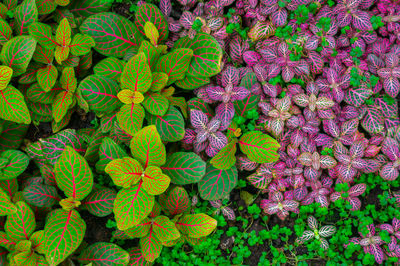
<point x="147" y="148"/>
<point x="25" y="14"/>
<point x="100" y="202"/>
<point x="131" y="206"/>
<point x="41" y="195"/>
<point x="225" y="158"/>
<point x="100" y="93"/>
<point x="73" y="174"/>
<point x="259" y="147"/>
<point x="170" y="126"/>
<point x="104" y="254"/>
<point x="63" y="233"/>
<point x="175" y="64"/>
<point x="217" y="183"/>
<point x="109" y="67"/>
<point x="113" y="34"/>
<point x="21" y="224"/>
<point x="13" y="106"/>
<point x="14" y="163"/>
<point x="17" y="53"/>
<point x="196" y="225"/>
<point x="184" y="168"/>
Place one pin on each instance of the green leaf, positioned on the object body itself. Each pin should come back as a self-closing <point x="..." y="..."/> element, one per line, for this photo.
<point x="41" y="195"/>
<point x="152" y="54"/>
<point x="14" y="163"/>
<point x="63" y="39"/>
<point x="10" y="186"/>
<point x="47" y="77"/>
<point x="45" y="7"/>
<point x="191" y="83"/>
<point x="140" y="230"/>
<point x="43" y="34"/>
<point x="207" y="54"/>
<point x="110" y="67"/>
<point x="109" y="151"/>
<point x="154" y="181"/>
<point x="249" y="103"/>
<point x="175" y="64"/>
<point x="196" y="225"/>
<point x="17" y="53"/>
<point x="147" y="147"/>
<point x="170" y="126"/>
<point x="164" y="229"/>
<point x="159" y="81"/>
<point x="73" y="174"/>
<point x="199" y="104"/>
<point x="259" y="147"/>
<point x="92" y="152"/>
<point x="100" y="202"/>
<point x="6" y="32"/>
<point x="12" y="135"/>
<point x="184" y="168"/>
<point x="100" y="93"/>
<point x="89" y="7"/>
<point x="150" y="13"/>
<point x="130" y="118"/>
<point x="25" y="14"/>
<point x="81" y="44"/>
<point x="136" y="258"/>
<point x="113" y="34"/>
<point x="155" y="103"/>
<point x="7" y="207"/>
<point x="37" y="240"/>
<point x="13" y="106"/>
<point x="150" y="246"/>
<point x="124" y="172"/>
<point x="176" y="202"/>
<point x="131" y="206"/>
<point x="104" y="254"/>
<point x="21" y="224"/>
<point x="63" y="233"/>
<point x="225" y="158"/>
<point x="217" y="183"/>
<point x="137" y="74"/>
<point x="62" y="102"/>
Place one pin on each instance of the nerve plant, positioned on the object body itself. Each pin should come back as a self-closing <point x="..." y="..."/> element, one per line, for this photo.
<point x="319" y="234"/>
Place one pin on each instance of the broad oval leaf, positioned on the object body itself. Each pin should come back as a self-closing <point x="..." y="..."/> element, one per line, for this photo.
<point x="155" y="103"/>
<point x="130" y="118"/>
<point x="13" y="106"/>
<point x="6" y="206"/>
<point x="21" y="224"/>
<point x="85" y="8"/>
<point x="175" y="64"/>
<point x="113" y="34"/>
<point x="109" y="151"/>
<point x="41" y="195"/>
<point x="217" y="183"/>
<point x="164" y="229"/>
<point x="225" y="158"/>
<point x="176" y="202"/>
<point x="25" y="14"/>
<point x="131" y="206"/>
<point x="109" y="67"/>
<point x="63" y="233"/>
<point x="73" y="174"/>
<point x="151" y="247"/>
<point x="104" y="254"/>
<point x="100" y="93"/>
<point x="373" y="120"/>
<point x="207" y="55"/>
<point x="5" y="76"/>
<point x="6" y="31"/>
<point x="124" y="172"/>
<point x="184" y="168"/>
<point x="191" y="83"/>
<point x="170" y="126"/>
<point x="136" y="258"/>
<point x="154" y="181"/>
<point x="136" y="75"/>
<point x="100" y="202"/>
<point x="147" y="147"/>
<point x="196" y="225"/>
<point x="259" y="147"/>
<point x="17" y="53"/>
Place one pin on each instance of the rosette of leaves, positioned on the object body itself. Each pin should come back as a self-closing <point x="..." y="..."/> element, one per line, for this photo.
<point x="318" y="234"/>
<point x="350" y="195"/>
<point x="104" y="254"/>
<point x="390" y="170"/>
<point x="158" y="230"/>
<point x="12" y="102"/>
<point x="142" y="176"/>
<point x="227" y="212"/>
<point x="279" y="205"/>
<point x="390" y="74"/>
<point x="351" y="12"/>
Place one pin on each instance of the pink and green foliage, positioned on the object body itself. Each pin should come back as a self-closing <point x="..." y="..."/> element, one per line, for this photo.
<point x="350" y="195"/>
<point x="390" y="74"/>
<point x="277" y="204"/>
<point x="390" y="170"/>
<point x="318" y="234"/>
<point x="227" y="212"/>
<point x="217" y="183"/>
